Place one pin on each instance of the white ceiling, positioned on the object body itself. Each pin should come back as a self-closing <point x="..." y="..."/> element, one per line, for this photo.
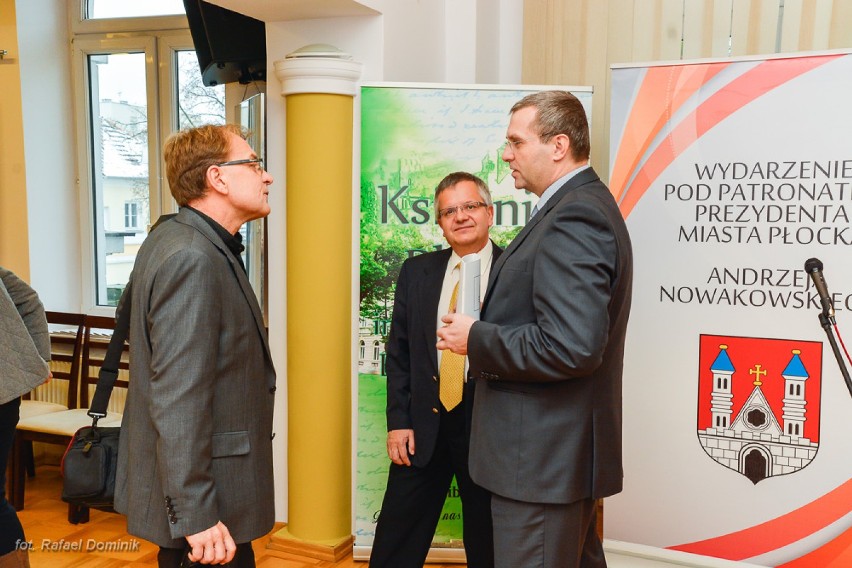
<point x="283" y="10"/>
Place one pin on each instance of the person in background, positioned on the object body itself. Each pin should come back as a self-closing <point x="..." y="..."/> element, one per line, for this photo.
<point x="195" y="459"/>
<point x="24" y="352"/>
<point x="429" y="402"/>
<point x="548" y="352"/>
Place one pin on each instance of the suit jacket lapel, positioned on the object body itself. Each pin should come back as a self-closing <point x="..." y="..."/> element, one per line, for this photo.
<point x="428" y="287"/>
<point x="584" y="177"/>
<point x="189" y="218"/>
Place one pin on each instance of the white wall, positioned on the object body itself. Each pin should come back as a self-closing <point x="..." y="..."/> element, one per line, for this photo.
<point x="499" y="40"/>
<point x="53" y="207"/>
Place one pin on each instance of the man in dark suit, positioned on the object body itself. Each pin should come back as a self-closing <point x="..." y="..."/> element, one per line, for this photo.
<point x="429" y="404"/>
<point x="548" y="352"/>
<point x="195" y="459"/>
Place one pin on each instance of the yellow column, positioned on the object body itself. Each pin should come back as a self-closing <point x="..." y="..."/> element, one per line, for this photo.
<point x="14" y="239"/>
<point x="319" y="94"/>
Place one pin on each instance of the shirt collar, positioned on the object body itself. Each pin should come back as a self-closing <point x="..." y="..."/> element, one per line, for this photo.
<point x="484" y="255"/>
<point x="233" y="242"/>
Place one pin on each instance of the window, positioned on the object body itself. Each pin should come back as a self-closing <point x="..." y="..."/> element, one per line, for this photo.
<point x="131" y="215"/>
<point x="135" y="88"/>
<point x="99" y="9"/>
<point x="123" y="136"/>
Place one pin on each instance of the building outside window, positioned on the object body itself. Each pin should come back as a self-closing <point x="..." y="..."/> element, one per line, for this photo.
<point x="138" y="87"/>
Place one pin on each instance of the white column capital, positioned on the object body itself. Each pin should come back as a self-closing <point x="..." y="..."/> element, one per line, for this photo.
<point x="318" y="68"/>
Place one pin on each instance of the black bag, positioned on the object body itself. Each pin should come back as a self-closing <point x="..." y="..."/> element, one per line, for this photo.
<point x="90" y="462"/>
<point x="88" y="468"/>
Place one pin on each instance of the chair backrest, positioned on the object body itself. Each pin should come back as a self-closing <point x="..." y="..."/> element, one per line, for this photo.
<point x="98" y="330"/>
<point x="66" y="346"/>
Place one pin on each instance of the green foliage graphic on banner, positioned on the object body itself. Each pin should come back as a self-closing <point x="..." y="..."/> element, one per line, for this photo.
<point x="411" y="137"/>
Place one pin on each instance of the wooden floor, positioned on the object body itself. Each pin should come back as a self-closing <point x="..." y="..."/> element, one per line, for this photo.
<point x="44" y="517"/>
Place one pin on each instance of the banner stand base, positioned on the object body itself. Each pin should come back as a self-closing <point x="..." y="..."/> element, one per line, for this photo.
<point x="437" y="555"/>
<point x="329" y="551"/>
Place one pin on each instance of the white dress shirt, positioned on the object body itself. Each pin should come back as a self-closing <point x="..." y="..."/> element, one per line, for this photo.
<point x="451" y="276"/>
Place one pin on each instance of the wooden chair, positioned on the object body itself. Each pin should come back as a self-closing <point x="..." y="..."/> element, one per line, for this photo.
<point x="59" y="427"/>
<point x="61" y="393"/>
<point x="65" y="349"/>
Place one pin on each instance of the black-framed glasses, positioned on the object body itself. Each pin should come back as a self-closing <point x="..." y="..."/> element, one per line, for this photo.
<point x="468" y="207"/>
<point x="257" y="162"/>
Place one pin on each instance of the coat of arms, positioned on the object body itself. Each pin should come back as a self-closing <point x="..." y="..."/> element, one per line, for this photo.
<point x="759" y="403"/>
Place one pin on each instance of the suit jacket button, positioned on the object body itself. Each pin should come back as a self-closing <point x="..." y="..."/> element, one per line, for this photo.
<point x="272" y="437"/>
<point x="435" y="378"/>
<point x="435" y="410"/>
<point x="272" y="390"/>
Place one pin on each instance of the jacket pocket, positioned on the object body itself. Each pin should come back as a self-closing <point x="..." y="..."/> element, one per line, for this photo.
<point x="511" y="388"/>
<point x="231" y="444"/>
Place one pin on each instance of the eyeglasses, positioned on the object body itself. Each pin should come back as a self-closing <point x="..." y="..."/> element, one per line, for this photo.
<point x="468" y="207"/>
<point x="257" y="162"/>
<point x="514" y="144"/>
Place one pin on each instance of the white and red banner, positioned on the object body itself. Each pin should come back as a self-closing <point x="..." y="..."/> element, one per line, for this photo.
<point x="737" y="421"/>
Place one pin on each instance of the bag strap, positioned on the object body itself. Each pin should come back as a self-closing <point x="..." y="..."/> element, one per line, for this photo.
<point x="112" y="359"/>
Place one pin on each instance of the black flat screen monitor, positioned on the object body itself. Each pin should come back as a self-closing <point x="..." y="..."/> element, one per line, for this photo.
<point x="231" y="47"/>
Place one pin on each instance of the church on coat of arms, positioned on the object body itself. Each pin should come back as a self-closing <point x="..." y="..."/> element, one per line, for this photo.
<point x="755" y="442"/>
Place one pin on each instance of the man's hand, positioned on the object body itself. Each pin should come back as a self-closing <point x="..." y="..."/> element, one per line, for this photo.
<point x="49" y="376"/>
<point x="453" y="335"/>
<point x="400" y="445"/>
<point x="213" y="546"/>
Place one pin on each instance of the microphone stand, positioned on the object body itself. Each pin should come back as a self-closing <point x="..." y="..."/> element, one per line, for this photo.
<point x="825" y="321"/>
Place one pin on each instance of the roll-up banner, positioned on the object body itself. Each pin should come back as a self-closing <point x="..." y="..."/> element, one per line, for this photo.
<point x="737" y="421"/>
<point x="411" y="137"/>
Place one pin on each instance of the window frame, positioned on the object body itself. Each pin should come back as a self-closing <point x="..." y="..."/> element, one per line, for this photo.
<point x="83" y="47"/>
<point x="160" y="38"/>
<point x="131" y="212"/>
<point x="82" y="25"/>
<point x="160" y="48"/>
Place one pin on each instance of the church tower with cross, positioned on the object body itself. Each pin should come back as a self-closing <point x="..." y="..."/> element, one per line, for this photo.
<point x="754" y="443"/>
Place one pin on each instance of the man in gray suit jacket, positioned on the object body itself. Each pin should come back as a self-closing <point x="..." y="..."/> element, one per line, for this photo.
<point x="548" y="352"/>
<point x="195" y="460"/>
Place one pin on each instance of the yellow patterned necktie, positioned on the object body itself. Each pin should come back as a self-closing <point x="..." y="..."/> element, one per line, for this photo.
<point x="452" y="370"/>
